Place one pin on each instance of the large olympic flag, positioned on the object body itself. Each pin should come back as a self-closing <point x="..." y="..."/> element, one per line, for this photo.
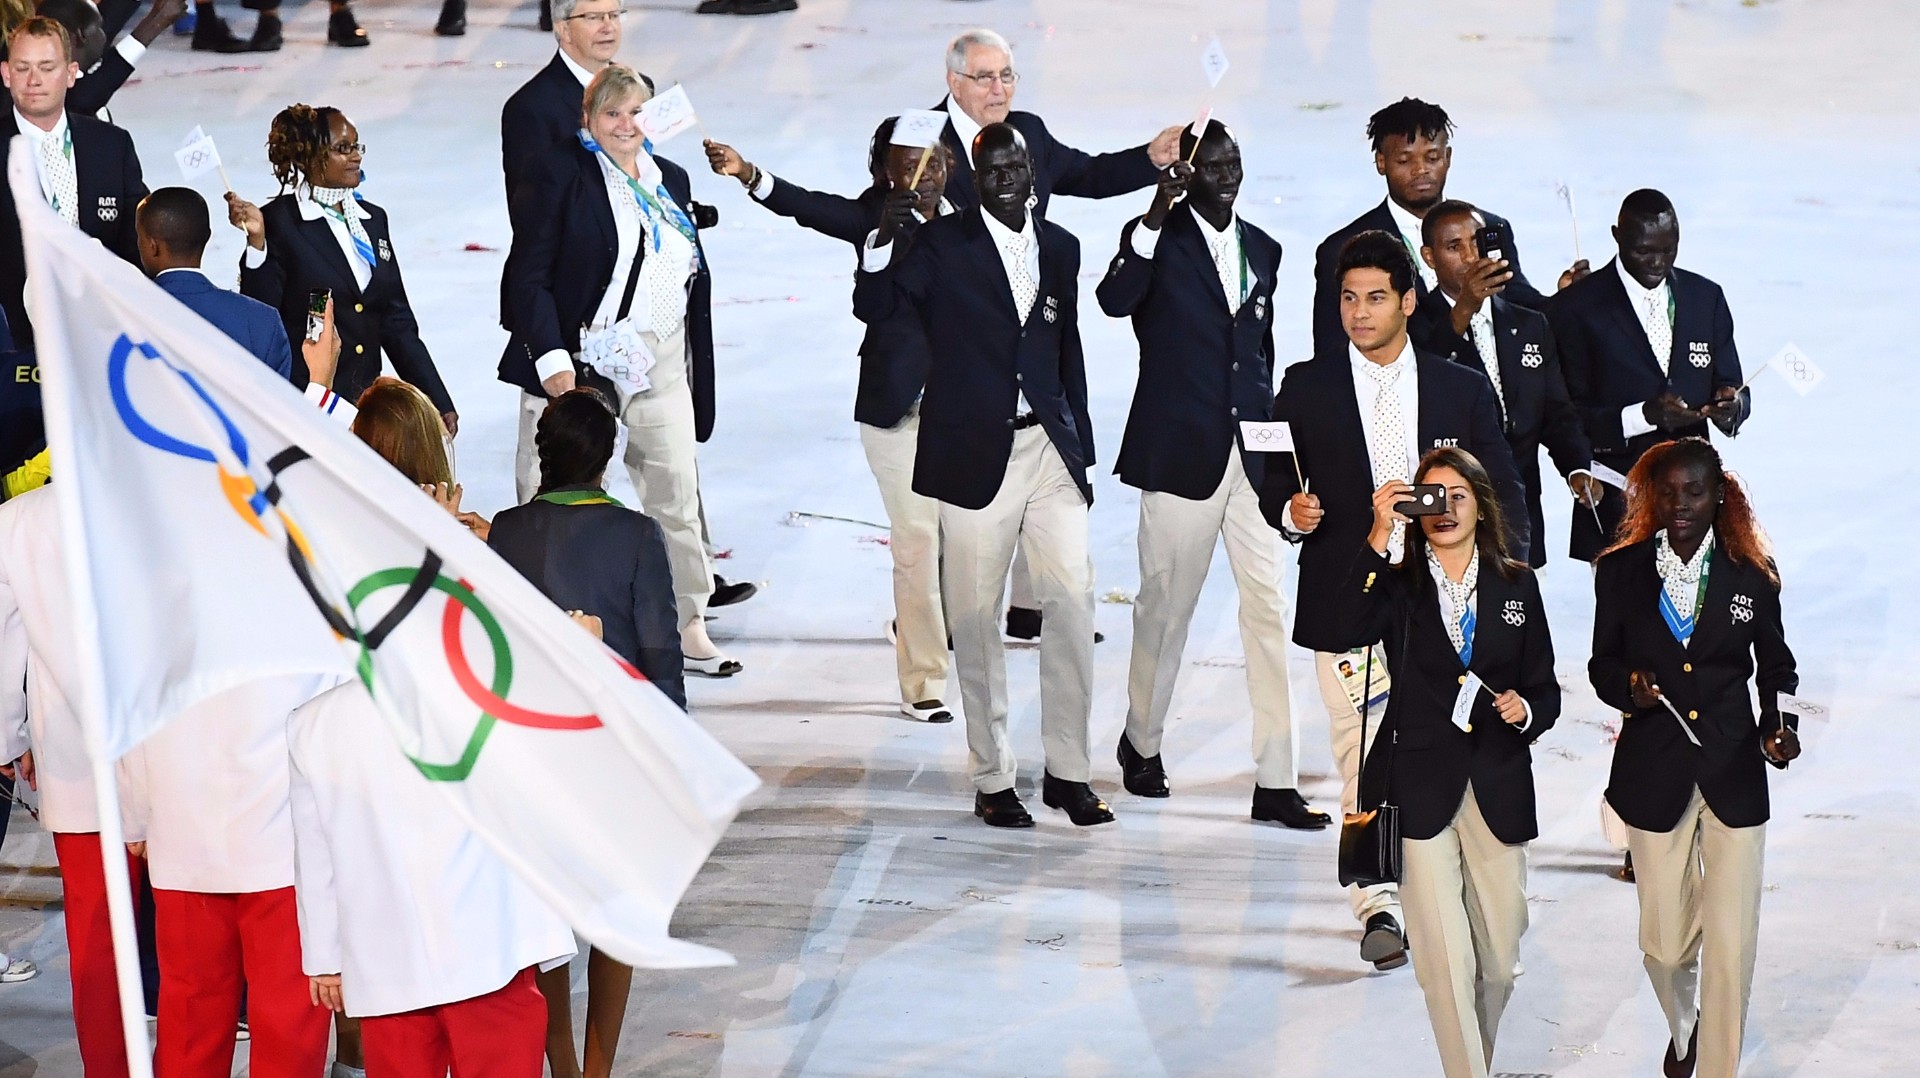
<point x="222" y="529"/>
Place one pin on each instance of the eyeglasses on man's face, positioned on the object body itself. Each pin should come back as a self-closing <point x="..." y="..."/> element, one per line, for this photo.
<point x="986" y="79"/>
<point x="597" y="18"/>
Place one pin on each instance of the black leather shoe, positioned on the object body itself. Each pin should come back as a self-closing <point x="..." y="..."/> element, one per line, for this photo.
<point x="728" y="592"/>
<point x="1023" y="623"/>
<point x="1289" y="808"/>
<point x="1077" y="800"/>
<point x="714" y="7"/>
<point x="344" y="30"/>
<point x="1143" y="776"/>
<point x="266" y="35"/>
<point x="1001" y="809"/>
<point x="1384" y="944"/>
<point x="764" y="7"/>
<point x="1682" y="1068"/>
<point x="212" y="34"/>
<point x="453" y="19"/>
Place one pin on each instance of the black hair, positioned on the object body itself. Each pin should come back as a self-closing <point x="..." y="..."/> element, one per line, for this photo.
<point x="1215" y="132"/>
<point x="575" y="439"/>
<point x="1646" y="204"/>
<point x="177" y="217"/>
<point x="1442" y="211"/>
<point x="1374" y="249"/>
<point x="1410" y="118"/>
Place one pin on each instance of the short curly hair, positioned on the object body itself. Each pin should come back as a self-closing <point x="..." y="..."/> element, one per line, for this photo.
<point x="298" y="142"/>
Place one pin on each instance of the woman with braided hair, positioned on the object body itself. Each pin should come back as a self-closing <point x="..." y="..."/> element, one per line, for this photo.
<point x="319" y="235"/>
<point x="1687" y="614"/>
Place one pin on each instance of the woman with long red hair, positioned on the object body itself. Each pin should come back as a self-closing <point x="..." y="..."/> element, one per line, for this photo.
<point x="1687" y="613"/>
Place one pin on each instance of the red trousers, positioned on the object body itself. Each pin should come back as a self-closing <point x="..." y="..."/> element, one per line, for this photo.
<point x="502" y="1034"/>
<point x="96" y="993"/>
<point x="211" y="945"/>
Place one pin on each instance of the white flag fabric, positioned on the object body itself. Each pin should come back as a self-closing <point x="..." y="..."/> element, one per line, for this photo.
<point x="1800" y="372"/>
<point x="1275" y="437"/>
<point x="919" y="128"/>
<point x="667" y="114"/>
<point x="221" y="529"/>
<point x="1214" y="62"/>
<point x="197" y="156"/>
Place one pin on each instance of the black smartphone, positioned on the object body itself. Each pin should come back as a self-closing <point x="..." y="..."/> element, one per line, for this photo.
<point x="1425" y="500"/>
<point x="317" y="312"/>
<point x="1492" y="241"/>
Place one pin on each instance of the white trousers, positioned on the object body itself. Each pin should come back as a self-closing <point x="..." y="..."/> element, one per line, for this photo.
<point x="1176" y="538"/>
<point x="920" y="620"/>
<point x="1343" y="729"/>
<point x="1465" y="893"/>
<point x="1699" y="887"/>
<point x="660" y="461"/>
<point x="1040" y="510"/>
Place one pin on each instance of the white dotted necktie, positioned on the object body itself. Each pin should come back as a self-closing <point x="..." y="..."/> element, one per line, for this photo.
<point x="1483" y="343"/>
<point x="1019" y="279"/>
<point x="63" y="187"/>
<point x="1659" y="331"/>
<point x="1228" y="267"/>
<point x="1389" y="448"/>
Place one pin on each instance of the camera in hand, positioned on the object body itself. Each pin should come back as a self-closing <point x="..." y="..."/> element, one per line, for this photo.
<point x="1492" y="241"/>
<point x="1425" y="500"/>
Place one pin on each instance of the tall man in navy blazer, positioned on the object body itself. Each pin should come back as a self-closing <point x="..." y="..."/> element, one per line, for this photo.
<point x="1649" y="355"/>
<point x="980" y="86"/>
<point x="1197" y="281"/>
<point x="173" y="227"/>
<point x="1005" y="443"/>
<point x="1360" y="418"/>
<point x="1467" y="319"/>
<point x="546" y="108"/>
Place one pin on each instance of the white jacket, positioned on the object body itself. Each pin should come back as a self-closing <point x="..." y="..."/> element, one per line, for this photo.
<point x="395" y="893"/>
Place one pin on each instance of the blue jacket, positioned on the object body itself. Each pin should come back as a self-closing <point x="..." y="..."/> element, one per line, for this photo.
<point x="252" y="324"/>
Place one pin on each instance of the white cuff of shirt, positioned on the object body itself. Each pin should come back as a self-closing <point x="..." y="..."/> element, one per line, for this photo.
<point x="874" y="258"/>
<point x="253" y="256"/>
<point x="1633" y="422"/>
<point x="331" y="403"/>
<point x="765" y="187"/>
<point x="1145" y="241"/>
<point x="554" y="362"/>
<point x="130" y="49"/>
<point x="1528" y="721"/>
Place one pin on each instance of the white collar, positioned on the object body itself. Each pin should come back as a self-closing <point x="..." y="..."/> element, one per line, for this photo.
<point x="1002" y="235"/>
<point x="1214" y="235"/>
<point x="942" y="210"/>
<point x="1667" y="560"/>
<point x="313" y="211"/>
<point x="196" y="270"/>
<point x="1409" y="224"/>
<point x="649" y="174"/>
<point x="963" y="126"/>
<point x="1362" y="364"/>
<point x="579" y="72"/>
<point x="1636" y="292"/>
<point x="32" y="131"/>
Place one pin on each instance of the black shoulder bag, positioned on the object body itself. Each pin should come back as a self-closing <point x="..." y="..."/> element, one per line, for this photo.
<point x="1370" y="838"/>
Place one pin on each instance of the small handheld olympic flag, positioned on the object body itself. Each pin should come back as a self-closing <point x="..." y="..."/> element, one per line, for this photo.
<point x="667" y="114"/>
<point x="919" y="128"/>
<point x="1800" y="372"/>
<point x="198" y="156"/>
<point x="1214" y="63"/>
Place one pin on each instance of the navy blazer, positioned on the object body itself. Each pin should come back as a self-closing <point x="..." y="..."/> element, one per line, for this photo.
<point x="1317" y="399"/>
<point x="1057" y="167"/>
<point x="1609" y="365"/>
<point x="1538" y="411"/>
<point x="1328" y="333"/>
<point x="1422" y="762"/>
<point x="303" y="256"/>
<point x="252" y="324"/>
<point x="107" y="171"/>
<point x="984" y="358"/>
<point x="1738" y="637"/>
<point x="894" y="353"/>
<point x="543" y="111"/>
<point x="565" y="244"/>
<point x="1203" y="369"/>
<point x="607" y="561"/>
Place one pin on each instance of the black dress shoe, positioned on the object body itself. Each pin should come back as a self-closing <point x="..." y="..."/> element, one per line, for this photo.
<point x="764" y="7"/>
<point x="728" y="592"/>
<point x="1143" y="776"/>
<point x="344" y="30"/>
<point x="1383" y="944"/>
<point x="1289" y="808"/>
<point x="266" y="35"/>
<point x="714" y="7"/>
<point x="1001" y="809"/>
<point x="1682" y="1068"/>
<point x="212" y="34"/>
<point x="453" y="19"/>
<point x="1077" y="800"/>
<point x="546" y="16"/>
<point x="1023" y="623"/>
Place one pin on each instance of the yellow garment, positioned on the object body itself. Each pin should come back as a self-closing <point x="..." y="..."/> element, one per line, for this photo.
<point x="34" y="473"/>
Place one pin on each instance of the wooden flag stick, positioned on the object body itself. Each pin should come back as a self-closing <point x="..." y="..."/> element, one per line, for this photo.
<point x="223" y="175"/>
<point x="919" y="169"/>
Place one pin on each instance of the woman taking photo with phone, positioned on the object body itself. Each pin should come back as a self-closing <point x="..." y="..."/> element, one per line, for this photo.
<point x="1686" y="614"/>
<point x="1466" y="638"/>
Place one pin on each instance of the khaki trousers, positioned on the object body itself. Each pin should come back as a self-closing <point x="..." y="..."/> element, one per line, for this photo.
<point x="1177" y="537"/>
<point x="1465" y="894"/>
<point x="920" y="619"/>
<point x="1040" y="510"/>
<point x="1699" y="887"/>
<point x="1343" y="728"/>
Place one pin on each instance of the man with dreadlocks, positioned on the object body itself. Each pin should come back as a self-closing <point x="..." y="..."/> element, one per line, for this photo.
<point x="1412" y="149"/>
